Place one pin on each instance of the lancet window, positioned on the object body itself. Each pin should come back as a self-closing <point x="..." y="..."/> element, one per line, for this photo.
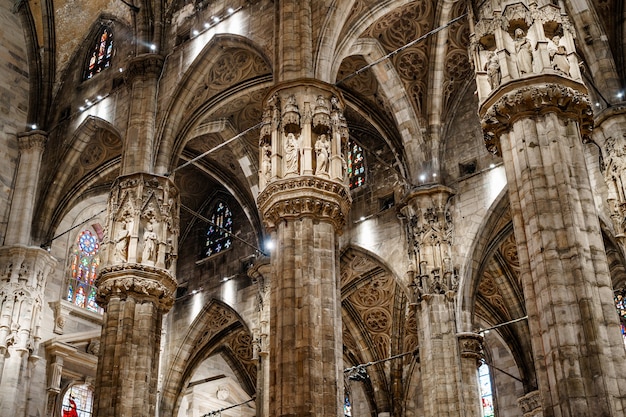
<point x="620" y="303"/>
<point x="356" y="165"/>
<point x="486" y="393"/>
<point x="219" y="233"/>
<point x="78" y="401"/>
<point x="100" y="53"/>
<point x="84" y="262"/>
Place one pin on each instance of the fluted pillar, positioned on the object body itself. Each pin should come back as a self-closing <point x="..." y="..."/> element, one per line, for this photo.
<point x="304" y="202"/>
<point x="537" y="120"/>
<point x="136" y="286"/>
<point x="430" y="233"/>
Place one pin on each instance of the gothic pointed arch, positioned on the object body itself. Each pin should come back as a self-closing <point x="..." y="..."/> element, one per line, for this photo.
<point x="375" y="306"/>
<point x="208" y="77"/>
<point x="217" y="329"/>
<point x="92" y="158"/>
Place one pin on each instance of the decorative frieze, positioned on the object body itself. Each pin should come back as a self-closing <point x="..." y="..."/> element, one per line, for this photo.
<point x="530" y="404"/>
<point x="305" y="196"/>
<point x="527" y="101"/>
<point x="430" y="233"/>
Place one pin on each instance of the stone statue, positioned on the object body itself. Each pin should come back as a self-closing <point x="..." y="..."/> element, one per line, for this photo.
<point x="558" y="56"/>
<point x="266" y="163"/>
<point x="121" y="243"/>
<point x="149" y="244"/>
<point x="523" y="49"/>
<point x="322" y="149"/>
<point x="493" y="71"/>
<point x="292" y="155"/>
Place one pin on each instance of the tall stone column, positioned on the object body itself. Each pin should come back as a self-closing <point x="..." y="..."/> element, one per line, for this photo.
<point x="449" y="389"/>
<point x="304" y="202"/>
<point x="537" y="116"/>
<point x="136" y="286"/>
<point x="23" y="273"/>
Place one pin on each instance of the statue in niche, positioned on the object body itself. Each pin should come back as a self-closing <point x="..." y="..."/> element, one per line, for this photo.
<point x="558" y="55"/>
<point x="121" y="242"/>
<point x="322" y="150"/>
<point x="149" y="244"/>
<point x="493" y="71"/>
<point x="524" y="52"/>
<point x="292" y="155"/>
<point x="266" y="162"/>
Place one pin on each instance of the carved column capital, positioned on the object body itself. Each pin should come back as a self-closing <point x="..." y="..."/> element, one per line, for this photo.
<point x="137" y="281"/>
<point x="521" y="99"/>
<point x="530" y="404"/>
<point x="305" y="196"/>
<point x="35" y="139"/>
<point x="144" y="66"/>
<point x="471" y="346"/>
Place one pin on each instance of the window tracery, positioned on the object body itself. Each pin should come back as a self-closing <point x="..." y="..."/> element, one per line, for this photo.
<point x="356" y="165"/>
<point x="101" y="53"/>
<point x="84" y="262"/>
<point x="219" y="232"/>
<point x="486" y="393"/>
<point x="620" y="304"/>
<point x="78" y="401"/>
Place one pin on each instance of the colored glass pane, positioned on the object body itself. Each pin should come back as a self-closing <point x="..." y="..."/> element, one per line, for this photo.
<point x="101" y="53"/>
<point x="219" y="232"/>
<point x="84" y="262"/>
<point x="78" y="401"/>
<point x="347" y="406"/>
<point x="356" y="165"/>
<point x="486" y="394"/>
<point x="620" y="304"/>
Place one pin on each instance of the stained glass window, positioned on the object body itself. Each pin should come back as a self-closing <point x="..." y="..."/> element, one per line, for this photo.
<point x="486" y="394"/>
<point x="219" y="233"/>
<point x="78" y="401"/>
<point x="347" y="406"/>
<point x="100" y="54"/>
<point x="84" y="261"/>
<point x="356" y="165"/>
<point x="620" y="303"/>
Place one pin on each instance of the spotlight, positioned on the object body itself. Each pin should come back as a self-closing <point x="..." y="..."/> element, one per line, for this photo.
<point x="206" y="25"/>
<point x="195" y="32"/>
<point x="216" y="19"/>
<point x="492" y="165"/>
<point x="99" y="97"/>
<point x="153" y="47"/>
<point x="434" y="175"/>
<point x="81" y="108"/>
<point x="231" y="10"/>
<point x="422" y="177"/>
<point x="33" y="126"/>
<point x="121" y="69"/>
<point x="620" y="94"/>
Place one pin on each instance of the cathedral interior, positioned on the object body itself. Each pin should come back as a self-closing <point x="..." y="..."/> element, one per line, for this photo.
<point x="360" y="208"/>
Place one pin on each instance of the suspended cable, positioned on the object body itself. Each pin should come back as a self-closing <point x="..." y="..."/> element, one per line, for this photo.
<point x="358" y="372"/>
<point x="226" y="231"/>
<point x="47" y="243"/>
<point x="503" y="324"/>
<point x="501" y="370"/>
<point x="400" y="49"/>
<point x="219" y="412"/>
<point x="202" y="155"/>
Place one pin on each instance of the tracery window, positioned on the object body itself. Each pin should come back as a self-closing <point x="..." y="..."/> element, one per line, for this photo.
<point x="219" y="232"/>
<point x="347" y="405"/>
<point x="356" y="165"/>
<point x="486" y="394"/>
<point x="620" y="303"/>
<point x="84" y="262"/>
<point x="101" y="53"/>
<point x="78" y="401"/>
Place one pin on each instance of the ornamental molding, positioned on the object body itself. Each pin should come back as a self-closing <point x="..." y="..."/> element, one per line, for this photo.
<point x="137" y="281"/>
<point x="146" y="66"/>
<point x="34" y="140"/>
<point x="305" y="196"/>
<point x="471" y="346"/>
<point x="523" y="100"/>
<point x="530" y="404"/>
